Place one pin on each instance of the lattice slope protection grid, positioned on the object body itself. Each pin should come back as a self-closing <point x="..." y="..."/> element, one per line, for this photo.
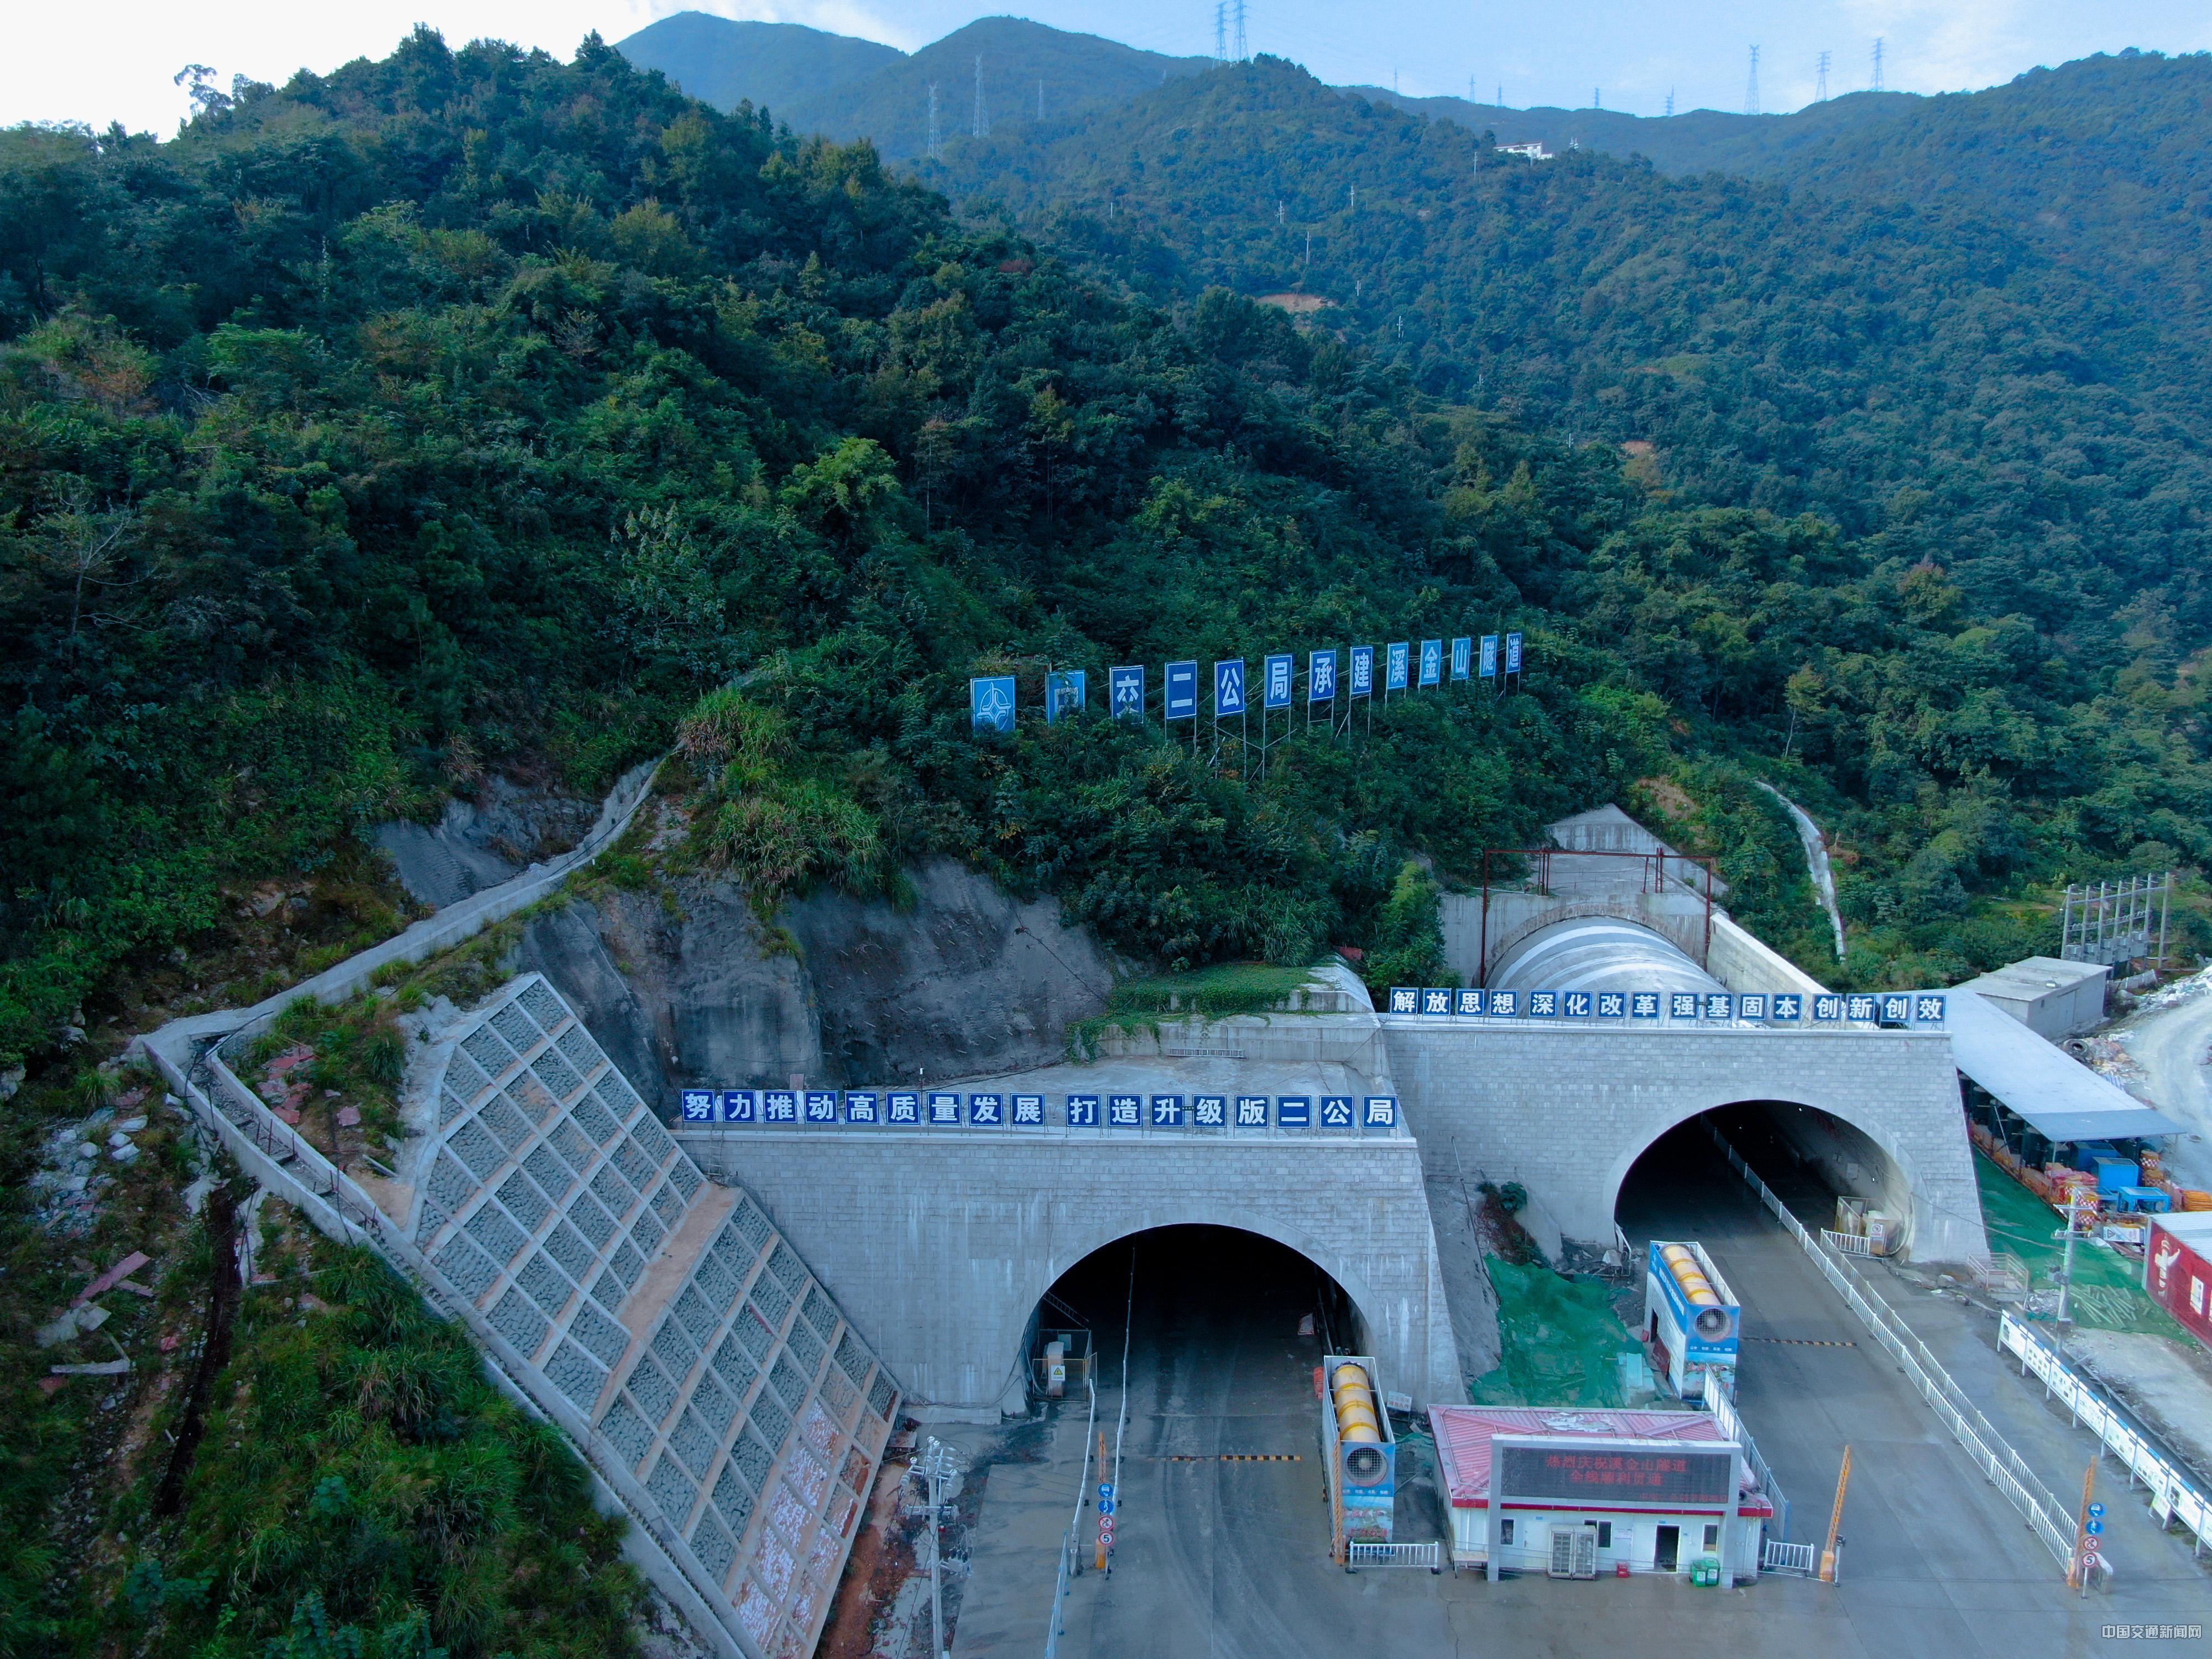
<point x="713" y="1370"/>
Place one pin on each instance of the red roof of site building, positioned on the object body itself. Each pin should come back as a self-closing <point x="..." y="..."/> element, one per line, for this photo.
<point x="1463" y="1434"/>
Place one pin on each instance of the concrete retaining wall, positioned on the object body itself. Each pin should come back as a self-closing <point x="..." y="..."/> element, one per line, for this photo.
<point x="939" y="1246"/>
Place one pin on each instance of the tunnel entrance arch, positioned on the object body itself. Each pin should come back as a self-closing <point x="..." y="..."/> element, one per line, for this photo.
<point x="1184" y="1291"/>
<point x="1809" y="1156"/>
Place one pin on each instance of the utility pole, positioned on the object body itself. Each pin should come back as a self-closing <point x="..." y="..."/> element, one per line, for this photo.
<point x="982" y="122"/>
<point x="936" y="137"/>
<point x="1820" y="86"/>
<point x="1751" y="87"/>
<point x="938" y="1465"/>
<point x="2089" y="1522"/>
<point x="1877" y="63"/>
<point x="1836" y="1522"/>
<point x="2073" y="1232"/>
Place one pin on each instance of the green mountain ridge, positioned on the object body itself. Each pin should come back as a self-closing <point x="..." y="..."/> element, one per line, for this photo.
<point x="725" y="62"/>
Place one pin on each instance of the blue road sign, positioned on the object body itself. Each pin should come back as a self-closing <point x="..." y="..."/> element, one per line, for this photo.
<point x="1278" y="671"/>
<point x="1396" y="664"/>
<point x="1432" y="662"/>
<point x="991" y="703"/>
<point x="1363" y="671"/>
<point x="1228" y="689"/>
<point x="1105" y="1506"/>
<point x="1462" y="656"/>
<point x="1125" y="687"/>
<point x="2096" y="1511"/>
<point x="1512" y="653"/>
<point x="1182" y="691"/>
<point x="1065" y="693"/>
<point x="1320" y="677"/>
<point x="1490" y="656"/>
<point x="2093" y="1528"/>
<point x="1105" y="1488"/>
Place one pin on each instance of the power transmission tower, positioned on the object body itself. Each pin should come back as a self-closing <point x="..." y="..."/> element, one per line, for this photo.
<point x="1877" y="63"/>
<point x="936" y="137"/>
<point x="1220" y="30"/>
<point x="1670" y="103"/>
<point x="1820" y="86"/>
<point x="1242" y="53"/>
<point x="1501" y="94"/>
<point x="1040" y="100"/>
<point x="1751" y="87"/>
<point x="1597" y="98"/>
<point x="982" y="122"/>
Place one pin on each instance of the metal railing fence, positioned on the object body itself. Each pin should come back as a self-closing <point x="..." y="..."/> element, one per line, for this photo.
<point x="2004" y="1468"/>
<point x="2173" y="1496"/>
<point x="1429" y="1555"/>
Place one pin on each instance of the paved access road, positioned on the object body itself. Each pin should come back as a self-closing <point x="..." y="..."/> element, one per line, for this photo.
<point x="2170" y="1044"/>
<point x="1228" y="1560"/>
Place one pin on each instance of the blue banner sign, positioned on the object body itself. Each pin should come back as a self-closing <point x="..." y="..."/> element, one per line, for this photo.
<point x="991" y="703"/>
<point x="698" y="1105"/>
<point x="944" y="1110"/>
<point x="1082" y="1111"/>
<point x="1512" y="653"/>
<point x="779" y="1106"/>
<point x="821" y="1105"/>
<point x="1381" y="1112"/>
<point x="1490" y="656"/>
<point x="1167" y="1112"/>
<point x="1363" y="671"/>
<point x="1125" y="1111"/>
<point x="1320" y="677"/>
<point x="1395" y="665"/>
<point x="1228" y="689"/>
<point x="1437" y="1000"/>
<point x="1209" y="1111"/>
<point x="900" y="1107"/>
<point x="1182" y="691"/>
<point x="860" y="1106"/>
<point x="740" y="1106"/>
<point x="1029" y="1111"/>
<point x="1251" y="1111"/>
<point x="1462" y="656"/>
<point x="1126" y="688"/>
<point x="1278" y="670"/>
<point x="1065" y="693"/>
<point x="1897" y="1009"/>
<point x="989" y="1110"/>
<point x="1336" y="1111"/>
<point x="1432" y="662"/>
<point x="1294" y="1112"/>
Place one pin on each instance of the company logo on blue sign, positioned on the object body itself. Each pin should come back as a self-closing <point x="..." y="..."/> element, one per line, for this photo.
<point x="991" y="703"/>
<point x="1126" y="688"/>
<point x="1320" y="677"/>
<point x="1363" y="671"/>
<point x="1278" y="687"/>
<point x="1182" y="691"/>
<point x="1228" y="689"/>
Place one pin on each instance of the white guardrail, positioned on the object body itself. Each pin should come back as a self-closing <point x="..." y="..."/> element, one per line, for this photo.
<point x="1429" y="1555"/>
<point x="2006" y="1469"/>
<point x="2172" y="1497"/>
<point x="1780" y="1556"/>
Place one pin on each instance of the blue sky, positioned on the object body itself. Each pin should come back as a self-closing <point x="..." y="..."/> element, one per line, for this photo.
<point x="103" y="60"/>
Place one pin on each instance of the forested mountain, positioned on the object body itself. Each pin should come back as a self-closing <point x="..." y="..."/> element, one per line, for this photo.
<point x="471" y="411"/>
<point x="725" y="62"/>
<point x="1023" y="71"/>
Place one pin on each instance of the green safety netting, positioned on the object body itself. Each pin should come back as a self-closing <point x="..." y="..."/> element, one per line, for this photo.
<point x="1562" y="1343"/>
<point x="2108" y="1292"/>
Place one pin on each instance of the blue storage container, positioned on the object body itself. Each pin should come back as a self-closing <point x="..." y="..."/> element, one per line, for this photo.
<point x="2088" y="1151"/>
<point x="2142" y="1200"/>
<point x="2115" y="1173"/>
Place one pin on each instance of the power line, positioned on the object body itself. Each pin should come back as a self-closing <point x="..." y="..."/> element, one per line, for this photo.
<point x="1820" y="86"/>
<point x="1751" y="86"/>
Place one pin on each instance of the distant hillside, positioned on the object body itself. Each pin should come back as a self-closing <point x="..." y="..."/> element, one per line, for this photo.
<point x="849" y="89"/>
<point x="1697" y="141"/>
<point x="724" y="63"/>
